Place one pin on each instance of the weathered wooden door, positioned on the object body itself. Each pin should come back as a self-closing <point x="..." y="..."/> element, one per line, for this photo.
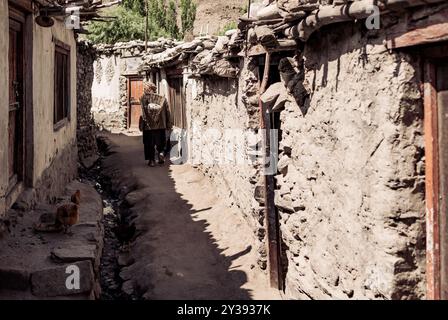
<point x="177" y="101"/>
<point x="16" y="112"/>
<point x="135" y="92"/>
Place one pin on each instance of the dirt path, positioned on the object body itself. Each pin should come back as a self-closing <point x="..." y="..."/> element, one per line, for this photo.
<point x="191" y="245"/>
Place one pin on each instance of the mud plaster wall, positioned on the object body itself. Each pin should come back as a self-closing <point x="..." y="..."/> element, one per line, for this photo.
<point x="4" y="102"/>
<point x="49" y="143"/>
<point x="106" y="107"/>
<point x="357" y="169"/>
<point x="223" y="106"/>
<point x="109" y="89"/>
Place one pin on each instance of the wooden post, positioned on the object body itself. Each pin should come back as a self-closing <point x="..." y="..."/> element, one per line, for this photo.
<point x="432" y="184"/>
<point x="271" y="219"/>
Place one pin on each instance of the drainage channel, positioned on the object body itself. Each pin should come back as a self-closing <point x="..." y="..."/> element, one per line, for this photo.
<point x="113" y="222"/>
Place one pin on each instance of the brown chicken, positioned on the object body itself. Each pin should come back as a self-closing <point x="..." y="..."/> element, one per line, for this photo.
<point x="67" y="214"/>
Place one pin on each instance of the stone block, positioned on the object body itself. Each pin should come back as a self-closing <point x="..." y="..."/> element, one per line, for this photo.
<point x="52" y="282"/>
<point x="75" y="253"/>
<point x="14" y="279"/>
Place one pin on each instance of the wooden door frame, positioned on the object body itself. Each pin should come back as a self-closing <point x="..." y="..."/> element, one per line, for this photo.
<point x="436" y="176"/>
<point x="22" y="11"/>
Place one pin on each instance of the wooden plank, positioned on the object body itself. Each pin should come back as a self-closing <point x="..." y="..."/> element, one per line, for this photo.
<point x="258" y="50"/>
<point x="430" y="34"/>
<point x="413" y="31"/>
<point x="431" y="183"/>
<point x="271" y="218"/>
<point x="25" y="5"/>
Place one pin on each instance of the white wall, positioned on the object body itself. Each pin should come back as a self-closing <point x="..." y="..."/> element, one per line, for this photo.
<point x="47" y="142"/>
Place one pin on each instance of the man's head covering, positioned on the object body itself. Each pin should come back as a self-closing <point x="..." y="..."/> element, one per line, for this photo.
<point x="149" y="87"/>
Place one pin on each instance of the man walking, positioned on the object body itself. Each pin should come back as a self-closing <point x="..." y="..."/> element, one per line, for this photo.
<point x="154" y="123"/>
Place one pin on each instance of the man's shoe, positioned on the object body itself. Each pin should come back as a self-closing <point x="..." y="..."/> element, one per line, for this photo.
<point x="152" y="163"/>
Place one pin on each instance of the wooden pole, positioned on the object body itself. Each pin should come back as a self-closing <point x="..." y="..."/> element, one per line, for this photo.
<point x="271" y="218"/>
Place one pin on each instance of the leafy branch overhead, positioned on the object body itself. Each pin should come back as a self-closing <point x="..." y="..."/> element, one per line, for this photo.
<point x="130" y="21"/>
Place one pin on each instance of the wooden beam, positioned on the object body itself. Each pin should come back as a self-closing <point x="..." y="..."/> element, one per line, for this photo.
<point x="411" y="32"/>
<point x="25" y="5"/>
<point x="283" y="45"/>
<point x="271" y="218"/>
<point x="431" y="183"/>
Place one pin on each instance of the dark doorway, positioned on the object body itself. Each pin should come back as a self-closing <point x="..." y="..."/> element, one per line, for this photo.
<point x="16" y="121"/>
<point x="177" y="99"/>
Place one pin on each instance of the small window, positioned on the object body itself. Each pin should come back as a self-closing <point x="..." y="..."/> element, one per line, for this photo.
<point x="61" y="84"/>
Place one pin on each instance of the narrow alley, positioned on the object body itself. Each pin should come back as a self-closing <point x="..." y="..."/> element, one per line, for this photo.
<point x="223" y="150"/>
<point x="189" y="243"/>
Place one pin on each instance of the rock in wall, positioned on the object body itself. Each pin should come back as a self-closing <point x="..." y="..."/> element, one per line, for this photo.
<point x="87" y="147"/>
<point x="57" y="176"/>
<point x="353" y="144"/>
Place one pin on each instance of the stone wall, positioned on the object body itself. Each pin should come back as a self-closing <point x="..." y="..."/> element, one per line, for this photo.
<point x="217" y="109"/>
<point x="62" y="170"/>
<point x="350" y="185"/>
<point x="51" y="184"/>
<point x="107" y="108"/>
<point x="109" y="88"/>
<point x="351" y="197"/>
<point x="87" y="146"/>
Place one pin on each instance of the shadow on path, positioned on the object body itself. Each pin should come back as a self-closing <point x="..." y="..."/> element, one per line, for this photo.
<point x="176" y="256"/>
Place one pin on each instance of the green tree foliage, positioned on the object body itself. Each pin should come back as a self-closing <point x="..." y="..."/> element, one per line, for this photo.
<point x="157" y="12"/>
<point x="229" y="26"/>
<point x="129" y="25"/>
<point x="135" y="6"/>
<point x="130" y="21"/>
<point x="171" y="20"/>
<point x="188" y="15"/>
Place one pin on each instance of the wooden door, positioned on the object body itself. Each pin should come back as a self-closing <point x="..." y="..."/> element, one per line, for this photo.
<point x="177" y="102"/>
<point x="16" y="112"/>
<point x="135" y="92"/>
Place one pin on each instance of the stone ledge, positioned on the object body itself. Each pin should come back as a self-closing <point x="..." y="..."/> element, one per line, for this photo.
<point x="33" y="265"/>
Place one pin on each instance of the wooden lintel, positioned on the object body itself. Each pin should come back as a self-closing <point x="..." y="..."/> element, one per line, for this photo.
<point x="430" y="34"/>
<point x="258" y="49"/>
<point x="408" y="33"/>
<point x="25" y="5"/>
